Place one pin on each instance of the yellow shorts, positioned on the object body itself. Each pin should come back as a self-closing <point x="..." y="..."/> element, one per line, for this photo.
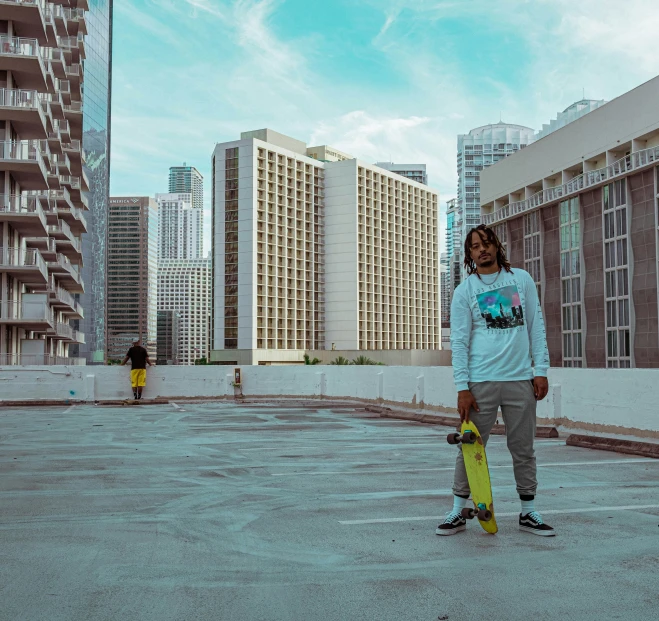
<point x="138" y="377"/>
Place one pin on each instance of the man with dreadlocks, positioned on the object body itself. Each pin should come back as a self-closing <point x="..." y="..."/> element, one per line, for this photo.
<point x="500" y="360"/>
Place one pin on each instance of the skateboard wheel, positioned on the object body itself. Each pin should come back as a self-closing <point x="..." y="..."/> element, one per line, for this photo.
<point x="453" y="438"/>
<point x="468" y="513"/>
<point x="469" y="437"/>
<point x="484" y="515"/>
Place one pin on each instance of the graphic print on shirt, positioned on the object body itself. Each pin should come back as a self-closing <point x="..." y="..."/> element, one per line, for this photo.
<point x="501" y="308"/>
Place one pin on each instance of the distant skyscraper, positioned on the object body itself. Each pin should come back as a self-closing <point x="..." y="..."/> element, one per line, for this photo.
<point x="180" y="227"/>
<point x="168" y="337"/>
<point x="187" y="179"/>
<point x="477" y="150"/>
<point x="570" y="114"/>
<point x="132" y="274"/>
<point x="415" y="172"/>
<point x="184" y="287"/>
<point x="96" y="98"/>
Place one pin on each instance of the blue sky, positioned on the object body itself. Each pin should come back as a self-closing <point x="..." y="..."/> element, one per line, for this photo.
<point x="380" y="79"/>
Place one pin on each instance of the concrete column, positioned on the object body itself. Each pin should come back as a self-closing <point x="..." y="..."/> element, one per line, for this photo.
<point x="381" y="386"/>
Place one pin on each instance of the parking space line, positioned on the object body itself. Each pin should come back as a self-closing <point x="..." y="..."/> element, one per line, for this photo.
<point x="428" y="518"/>
<point x="409" y="470"/>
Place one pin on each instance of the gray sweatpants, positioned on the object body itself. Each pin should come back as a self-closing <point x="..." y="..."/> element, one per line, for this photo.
<point x="518" y="406"/>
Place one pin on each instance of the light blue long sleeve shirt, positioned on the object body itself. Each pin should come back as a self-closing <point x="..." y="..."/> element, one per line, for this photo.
<point x="497" y="330"/>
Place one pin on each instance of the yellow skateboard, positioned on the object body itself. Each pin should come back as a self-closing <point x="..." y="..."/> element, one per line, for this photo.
<point x="478" y="474"/>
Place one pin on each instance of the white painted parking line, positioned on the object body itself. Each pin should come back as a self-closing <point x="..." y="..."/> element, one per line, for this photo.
<point x="69" y="409"/>
<point x="410" y="470"/>
<point x="427" y="518"/>
<point x="178" y="407"/>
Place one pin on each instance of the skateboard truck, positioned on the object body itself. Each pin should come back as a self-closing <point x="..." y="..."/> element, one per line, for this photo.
<point x="469" y="437"/>
<point x="481" y="512"/>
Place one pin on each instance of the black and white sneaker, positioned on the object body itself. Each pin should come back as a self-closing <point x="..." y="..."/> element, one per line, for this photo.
<point x="532" y="523"/>
<point x="453" y="524"/>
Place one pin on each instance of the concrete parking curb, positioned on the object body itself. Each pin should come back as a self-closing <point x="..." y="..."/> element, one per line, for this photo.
<point x="630" y="447"/>
<point x="451" y="421"/>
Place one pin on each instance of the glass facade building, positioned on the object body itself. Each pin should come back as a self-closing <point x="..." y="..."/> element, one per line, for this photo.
<point x="96" y="146"/>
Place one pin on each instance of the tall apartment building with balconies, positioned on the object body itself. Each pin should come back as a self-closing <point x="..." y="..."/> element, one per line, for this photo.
<point x="43" y="183"/>
<point x="312" y="253"/>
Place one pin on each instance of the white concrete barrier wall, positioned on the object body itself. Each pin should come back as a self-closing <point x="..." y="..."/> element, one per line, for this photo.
<point x="599" y="397"/>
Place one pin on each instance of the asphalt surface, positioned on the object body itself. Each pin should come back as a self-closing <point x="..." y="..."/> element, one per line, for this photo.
<point x="228" y="512"/>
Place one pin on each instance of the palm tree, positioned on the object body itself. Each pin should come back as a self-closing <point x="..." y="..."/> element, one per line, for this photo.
<point x="341" y="360"/>
<point x="363" y="360"/>
<point x="308" y="360"/>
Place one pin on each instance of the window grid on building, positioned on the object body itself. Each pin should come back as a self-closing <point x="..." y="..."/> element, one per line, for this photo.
<point x="532" y="246"/>
<point x="398" y="264"/>
<point x="615" y="220"/>
<point x="570" y="234"/>
<point x="290" y="253"/>
<point x="231" y="250"/>
<point x="501" y="231"/>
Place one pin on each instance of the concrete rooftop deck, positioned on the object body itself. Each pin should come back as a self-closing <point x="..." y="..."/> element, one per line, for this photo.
<point x="216" y="511"/>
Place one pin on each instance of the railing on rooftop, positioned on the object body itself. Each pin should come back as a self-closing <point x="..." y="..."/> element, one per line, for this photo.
<point x="591" y="178"/>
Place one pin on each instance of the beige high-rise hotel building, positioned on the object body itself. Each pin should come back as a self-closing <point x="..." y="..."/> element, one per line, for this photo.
<point x="314" y="254"/>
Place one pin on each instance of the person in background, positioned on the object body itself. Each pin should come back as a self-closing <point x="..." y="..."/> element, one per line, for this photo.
<point x="139" y="358"/>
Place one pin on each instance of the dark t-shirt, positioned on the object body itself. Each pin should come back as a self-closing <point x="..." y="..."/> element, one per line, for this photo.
<point x="138" y="356"/>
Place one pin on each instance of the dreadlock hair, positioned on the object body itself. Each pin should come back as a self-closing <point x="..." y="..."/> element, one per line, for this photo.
<point x="488" y="235"/>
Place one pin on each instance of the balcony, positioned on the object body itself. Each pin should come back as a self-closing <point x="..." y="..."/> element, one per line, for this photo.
<point x="35" y="316"/>
<point x="23" y="160"/>
<point x="73" y="114"/>
<point x="23" y="57"/>
<point x="77" y="21"/>
<point x="74" y="46"/>
<point x="63" y="128"/>
<point x="67" y="273"/>
<point x="46" y="246"/>
<point x="67" y="243"/>
<point x="28" y="17"/>
<point x="61" y="331"/>
<point x="590" y="179"/>
<point x="56" y="61"/>
<point x="74" y="74"/>
<point x="25" y="214"/>
<point x="25" y="111"/>
<point x="76" y="157"/>
<point x="63" y="301"/>
<point x="27" y="265"/>
<point x="25" y="360"/>
<point x="60" y="19"/>
<point x="52" y="103"/>
<point x="61" y="163"/>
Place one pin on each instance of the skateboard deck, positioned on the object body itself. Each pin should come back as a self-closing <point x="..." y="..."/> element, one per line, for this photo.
<point x="478" y="474"/>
